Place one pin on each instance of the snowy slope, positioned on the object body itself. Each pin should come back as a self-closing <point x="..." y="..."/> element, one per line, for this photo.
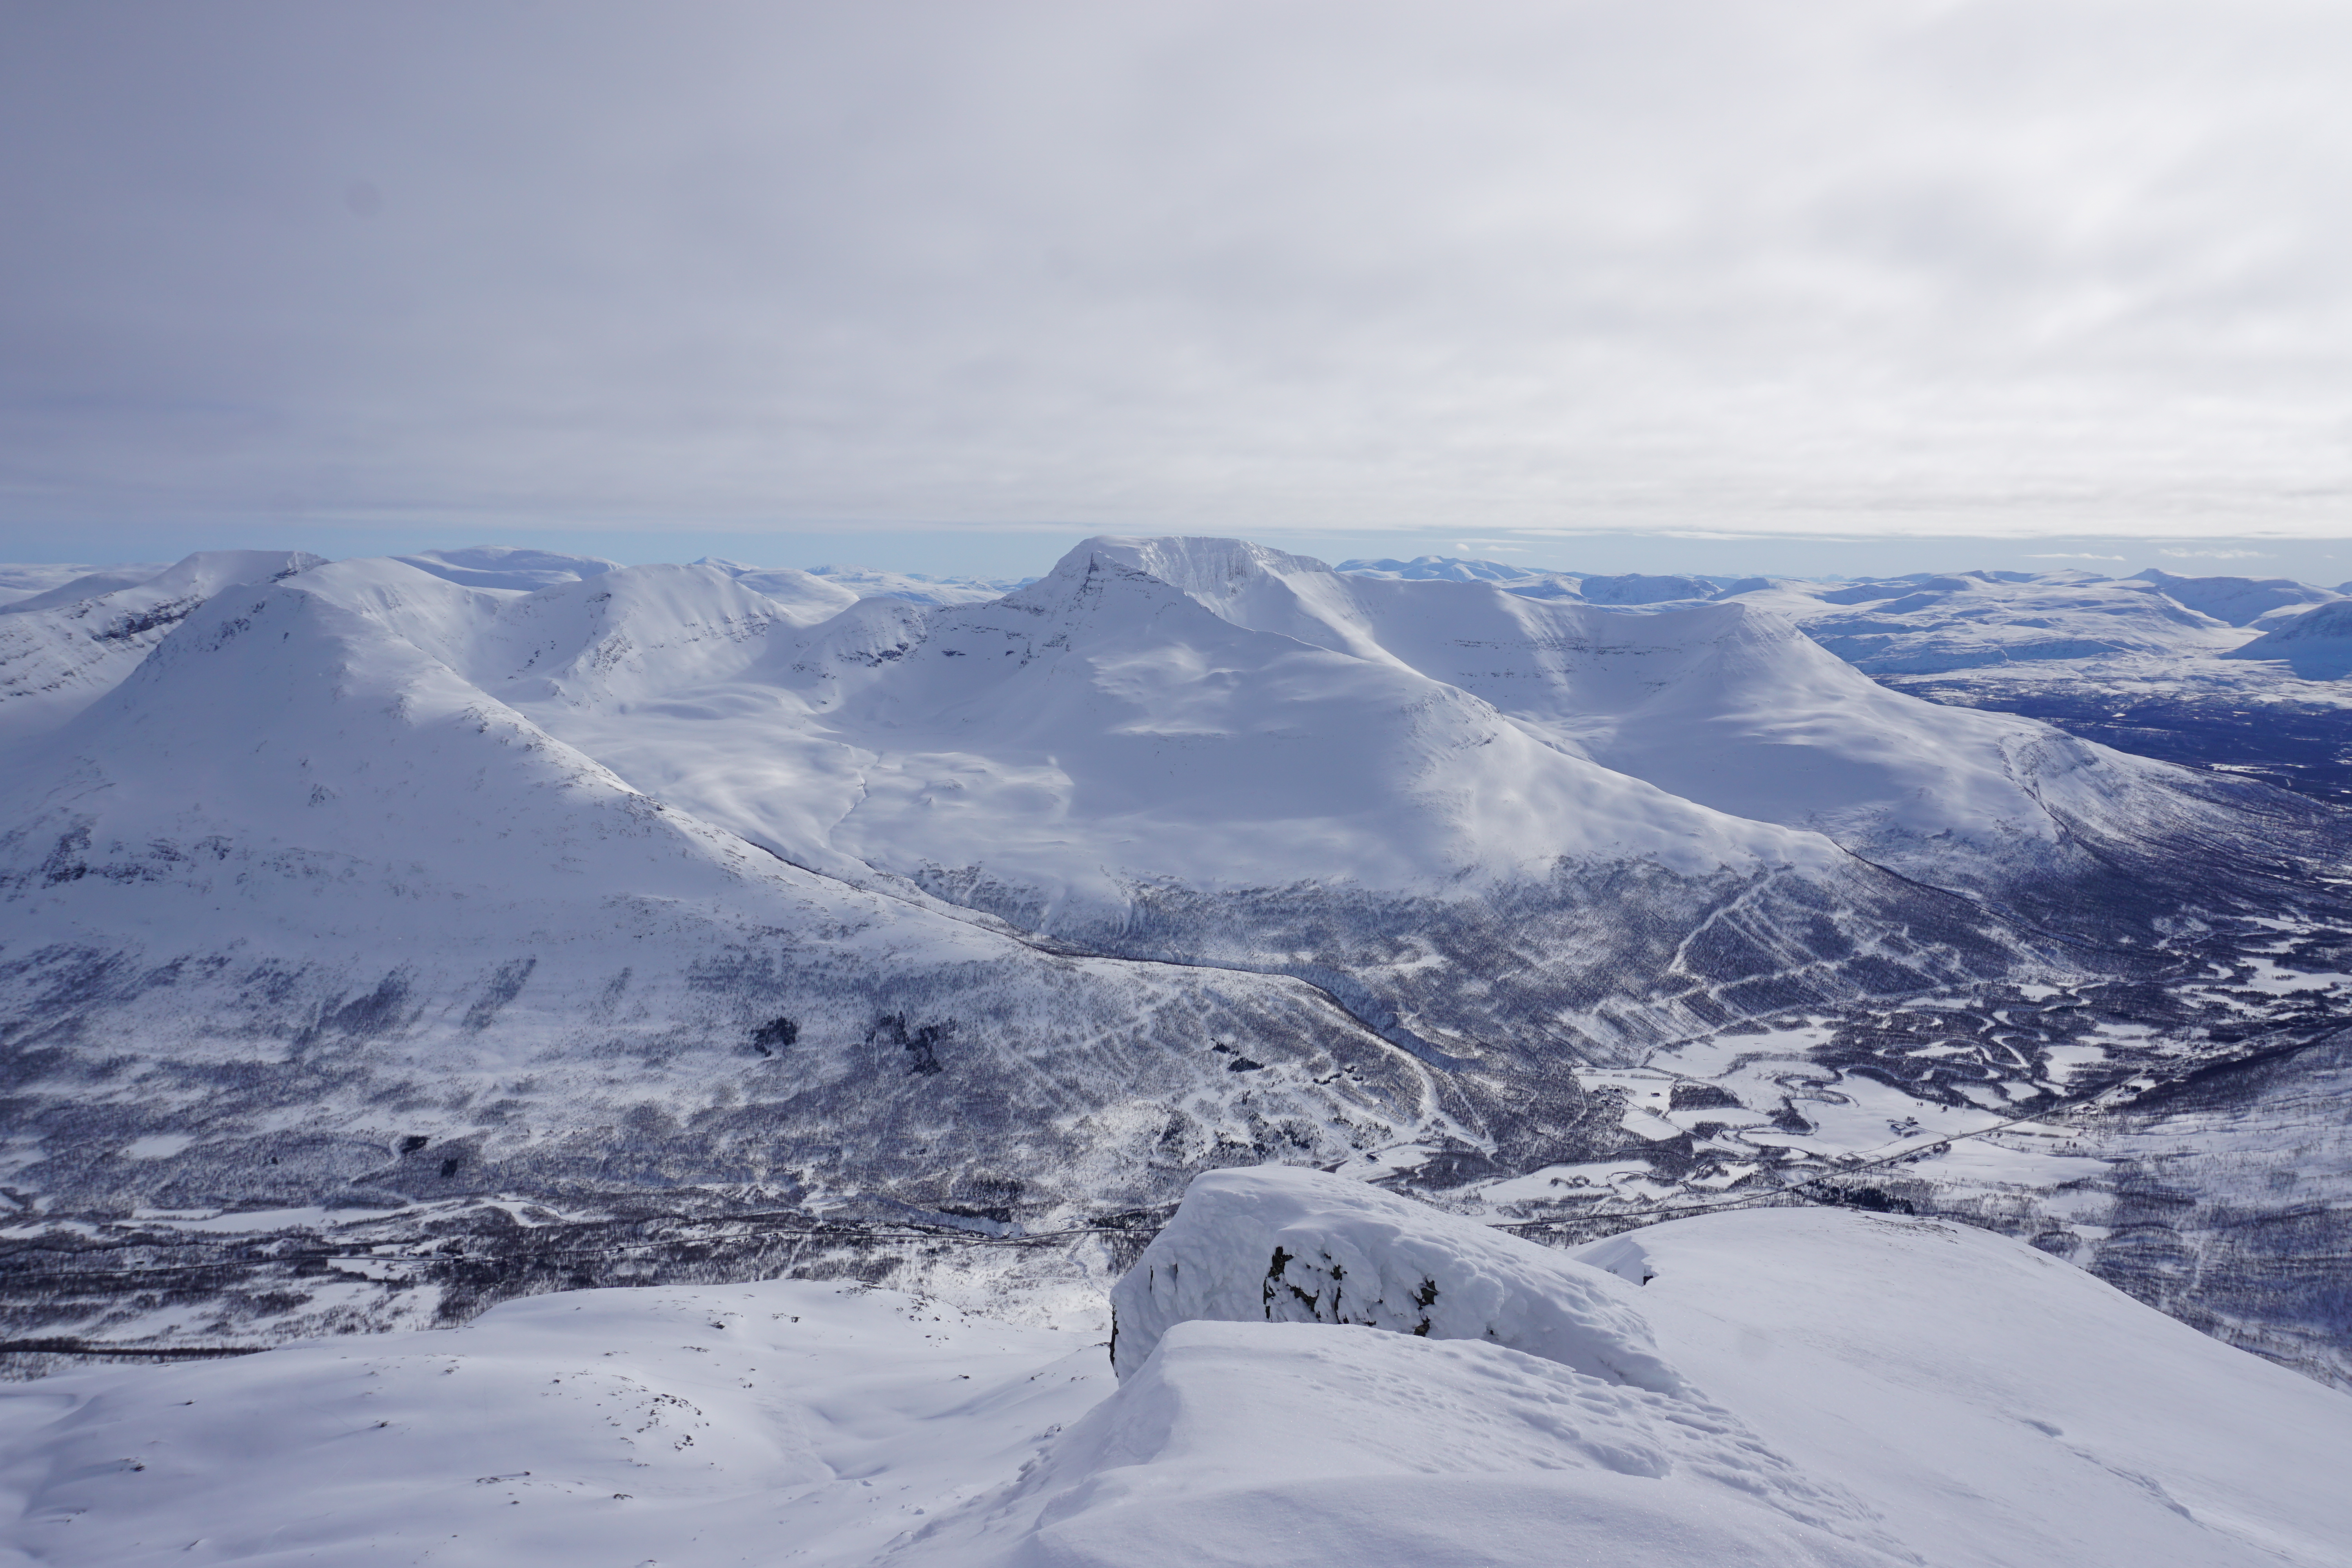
<point x="2239" y="600"/>
<point x="1187" y="852"/>
<point x="780" y="1421"/>
<point x="2315" y="646"/>
<point x="1966" y="619"/>
<point x="915" y="588"/>
<point x="806" y="597"/>
<point x="502" y="566"/>
<point x="1850" y="1391"/>
<point x="1725" y="705"/>
<point x="58" y="659"/>
<point x="340" y="896"/>
<point x="36" y="587"/>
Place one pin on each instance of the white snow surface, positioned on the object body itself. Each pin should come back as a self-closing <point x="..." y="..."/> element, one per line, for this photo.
<point x="1446" y="569"/>
<point x="1204" y="712"/>
<point x="1278" y="1244"/>
<point x="2239" y="600"/>
<point x="63" y="650"/>
<point x="1964" y="620"/>
<point x="1857" y="1390"/>
<point x="504" y="567"/>
<point x="2315" y="646"/>
<point x="807" y="599"/>
<point x="37" y="585"/>
<point x="916" y="587"/>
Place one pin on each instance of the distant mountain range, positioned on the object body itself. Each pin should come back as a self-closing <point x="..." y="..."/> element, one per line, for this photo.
<point x="413" y="879"/>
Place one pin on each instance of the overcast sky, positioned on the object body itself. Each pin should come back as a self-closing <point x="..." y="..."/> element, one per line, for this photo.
<point x="1495" y="274"/>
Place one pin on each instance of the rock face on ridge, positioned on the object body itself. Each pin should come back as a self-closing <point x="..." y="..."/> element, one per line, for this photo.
<point x="1279" y="1245"/>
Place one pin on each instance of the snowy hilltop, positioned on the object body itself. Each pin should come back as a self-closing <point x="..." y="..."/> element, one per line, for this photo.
<point x="1300" y="1359"/>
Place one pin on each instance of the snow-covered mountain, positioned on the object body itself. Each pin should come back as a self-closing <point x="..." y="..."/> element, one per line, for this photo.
<point x="2316" y="645"/>
<point x="60" y="652"/>
<point x="1444" y="569"/>
<point x="915" y="588"/>
<point x="502" y="566"/>
<point x="302" y="867"/>
<point x="2239" y="600"/>
<point x="1963" y="620"/>
<point x="37" y="586"/>
<point x="413" y="880"/>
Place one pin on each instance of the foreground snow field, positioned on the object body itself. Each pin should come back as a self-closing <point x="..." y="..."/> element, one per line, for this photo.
<point x="1821" y="1387"/>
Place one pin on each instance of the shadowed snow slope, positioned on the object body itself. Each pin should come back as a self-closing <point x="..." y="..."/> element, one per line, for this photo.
<point x="57" y="659"/>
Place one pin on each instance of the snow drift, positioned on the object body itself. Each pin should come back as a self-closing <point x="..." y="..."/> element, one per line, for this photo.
<point x="1281" y="1245"/>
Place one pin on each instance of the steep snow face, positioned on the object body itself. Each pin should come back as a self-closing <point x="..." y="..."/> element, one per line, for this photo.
<point x="501" y="567"/>
<point x="1732" y="707"/>
<point x="1279" y="1245"/>
<point x="2238" y="601"/>
<point x="2316" y="644"/>
<point x="327" y="885"/>
<point x="57" y="659"/>
<point x="1969" y="619"/>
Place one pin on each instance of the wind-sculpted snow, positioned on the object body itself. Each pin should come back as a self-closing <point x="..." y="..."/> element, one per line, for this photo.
<point x="1242" y="1443"/>
<point x="1878" y="1391"/>
<point x="1282" y="1244"/>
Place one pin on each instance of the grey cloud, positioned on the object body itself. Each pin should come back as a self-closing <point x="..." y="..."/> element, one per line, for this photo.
<point x="2007" y="267"/>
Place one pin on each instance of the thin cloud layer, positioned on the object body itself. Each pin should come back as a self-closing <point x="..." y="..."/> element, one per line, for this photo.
<point x="1990" y="268"/>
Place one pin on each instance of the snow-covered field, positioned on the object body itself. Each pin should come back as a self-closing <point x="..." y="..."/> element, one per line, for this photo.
<point x="1779" y="1387"/>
